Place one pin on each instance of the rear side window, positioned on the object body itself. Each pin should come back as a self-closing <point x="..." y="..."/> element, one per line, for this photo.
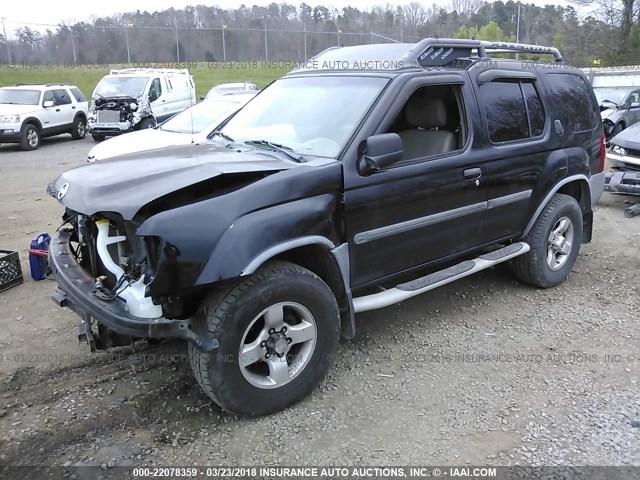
<point x="513" y="110"/>
<point x="61" y="97"/>
<point x="534" y="108"/>
<point x="572" y="95"/>
<point x="78" y="94"/>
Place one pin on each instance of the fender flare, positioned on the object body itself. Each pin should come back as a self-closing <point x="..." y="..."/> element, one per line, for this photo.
<point x="33" y="121"/>
<point x="282" y="247"/>
<point x="549" y="195"/>
<point x="341" y="255"/>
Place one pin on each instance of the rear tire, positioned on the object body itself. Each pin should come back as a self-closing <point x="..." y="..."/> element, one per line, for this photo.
<point x="30" y="137"/>
<point x="555" y="241"/>
<point x="79" y="129"/>
<point x="277" y="331"/>
<point x="97" y="137"/>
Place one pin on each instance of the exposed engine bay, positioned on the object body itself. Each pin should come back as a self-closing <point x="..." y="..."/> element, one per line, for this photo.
<point x="119" y="114"/>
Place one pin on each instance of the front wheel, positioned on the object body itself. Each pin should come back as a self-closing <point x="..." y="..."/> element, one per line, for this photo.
<point x="97" y="137"/>
<point x="277" y="332"/>
<point x="555" y="241"/>
<point x="147" y="123"/>
<point x="79" y="129"/>
<point x="30" y="137"/>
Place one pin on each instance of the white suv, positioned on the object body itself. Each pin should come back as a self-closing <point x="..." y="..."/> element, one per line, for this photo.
<point x="29" y="113"/>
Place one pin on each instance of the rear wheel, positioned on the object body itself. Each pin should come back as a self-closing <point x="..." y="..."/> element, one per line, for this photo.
<point x="97" y="137"/>
<point x="277" y="331"/>
<point x="555" y="241"/>
<point x="30" y="137"/>
<point x="79" y="129"/>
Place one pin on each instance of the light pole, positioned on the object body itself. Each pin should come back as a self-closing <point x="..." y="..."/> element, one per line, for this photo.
<point x="224" y="47"/>
<point x="266" y="48"/>
<point x="518" y="28"/>
<point x="126" y="31"/>
<point x="177" y="44"/>
<point x="73" y="47"/>
<point x="6" y="41"/>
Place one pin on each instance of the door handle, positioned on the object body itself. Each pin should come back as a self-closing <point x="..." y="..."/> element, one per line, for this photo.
<point x="471" y="173"/>
<point x="57" y="109"/>
<point x="73" y="108"/>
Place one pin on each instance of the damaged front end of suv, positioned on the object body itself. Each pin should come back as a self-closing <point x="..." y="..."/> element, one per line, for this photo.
<point x="144" y="238"/>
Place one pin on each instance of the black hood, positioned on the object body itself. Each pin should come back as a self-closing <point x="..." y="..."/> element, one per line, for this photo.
<point x="628" y="138"/>
<point x="127" y="183"/>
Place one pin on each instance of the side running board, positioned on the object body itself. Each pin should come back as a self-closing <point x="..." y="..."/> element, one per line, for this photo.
<point x="434" y="280"/>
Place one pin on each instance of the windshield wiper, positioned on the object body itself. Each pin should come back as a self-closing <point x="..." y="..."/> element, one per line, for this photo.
<point x="223" y="136"/>
<point x="609" y="101"/>
<point x="288" y="151"/>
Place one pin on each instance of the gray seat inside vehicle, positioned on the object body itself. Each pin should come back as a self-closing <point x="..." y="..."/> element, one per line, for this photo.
<point x="427" y="116"/>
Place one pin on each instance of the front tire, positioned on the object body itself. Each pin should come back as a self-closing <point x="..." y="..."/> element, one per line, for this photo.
<point x="147" y="123"/>
<point x="79" y="129"/>
<point x="617" y="129"/>
<point x="30" y="138"/>
<point x="277" y="331"/>
<point x="97" y="137"/>
<point x="555" y="241"/>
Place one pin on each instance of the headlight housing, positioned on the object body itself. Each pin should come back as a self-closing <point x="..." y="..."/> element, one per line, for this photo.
<point x="9" y="118"/>
<point x="618" y="150"/>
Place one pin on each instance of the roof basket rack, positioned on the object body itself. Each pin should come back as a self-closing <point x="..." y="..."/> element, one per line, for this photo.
<point x="437" y="52"/>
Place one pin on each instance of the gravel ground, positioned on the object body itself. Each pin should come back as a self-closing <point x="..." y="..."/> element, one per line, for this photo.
<point x="483" y="371"/>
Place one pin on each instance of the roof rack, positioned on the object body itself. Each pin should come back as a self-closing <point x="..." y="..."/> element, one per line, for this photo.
<point x="442" y="51"/>
<point x="55" y="84"/>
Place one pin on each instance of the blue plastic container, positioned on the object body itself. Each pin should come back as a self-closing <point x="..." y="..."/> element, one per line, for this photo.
<point x="39" y="263"/>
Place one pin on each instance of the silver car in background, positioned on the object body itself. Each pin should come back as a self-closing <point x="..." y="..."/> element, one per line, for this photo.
<point x="619" y="108"/>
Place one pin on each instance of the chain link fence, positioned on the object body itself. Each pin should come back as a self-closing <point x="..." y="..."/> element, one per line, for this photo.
<point x="80" y="45"/>
<point x="38" y="44"/>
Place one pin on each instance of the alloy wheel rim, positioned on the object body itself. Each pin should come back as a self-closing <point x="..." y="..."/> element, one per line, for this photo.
<point x="32" y="138"/>
<point x="560" y="243"/>
<point x="277" y="345"/>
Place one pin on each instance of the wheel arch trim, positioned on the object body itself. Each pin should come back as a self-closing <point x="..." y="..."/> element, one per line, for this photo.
<point x="552" y="192"/>
<point x="282" y="247"/>
<point x="33" y="121"/>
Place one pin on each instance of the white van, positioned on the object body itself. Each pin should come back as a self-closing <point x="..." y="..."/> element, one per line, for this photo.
<point x="138" y="98"/>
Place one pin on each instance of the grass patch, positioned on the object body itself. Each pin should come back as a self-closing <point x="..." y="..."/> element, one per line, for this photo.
<point x="205" y="75"/>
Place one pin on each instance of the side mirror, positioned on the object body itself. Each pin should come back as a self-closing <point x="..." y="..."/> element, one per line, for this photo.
<point x="202" y="97"/>
<point x="634" y="105"/>
<point x="48" y="104"/>
<point x="153" y="95"/>
<point x="383" y="150"/>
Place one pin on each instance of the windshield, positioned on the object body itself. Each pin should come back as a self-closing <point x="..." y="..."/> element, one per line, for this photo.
<point x="613" y="95"/>
<point x="17" y="96"/>
<point x="311" y="116"/>
<point x="121" y="86"/>
<point x="199" y="117"/>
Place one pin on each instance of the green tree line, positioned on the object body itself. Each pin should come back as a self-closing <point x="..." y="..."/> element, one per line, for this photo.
<point x="608" y="35"/>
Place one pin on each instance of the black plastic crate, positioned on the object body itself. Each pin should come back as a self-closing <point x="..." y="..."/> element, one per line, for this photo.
<point x="10" y="270"/>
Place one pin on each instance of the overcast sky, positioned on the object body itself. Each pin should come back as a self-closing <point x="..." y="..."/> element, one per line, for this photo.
<point x="54" y="12"/>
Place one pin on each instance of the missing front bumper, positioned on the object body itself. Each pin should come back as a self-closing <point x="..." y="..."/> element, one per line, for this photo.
<point x="75" y="292"/>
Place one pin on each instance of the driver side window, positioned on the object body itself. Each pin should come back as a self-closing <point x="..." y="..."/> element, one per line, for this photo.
<point x="48" y="96"/>
<point x="431" y="123"/>
<point x="155" y="87"/>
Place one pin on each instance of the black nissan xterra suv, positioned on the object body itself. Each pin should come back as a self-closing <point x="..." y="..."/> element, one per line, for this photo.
<point x="367" y="176"/>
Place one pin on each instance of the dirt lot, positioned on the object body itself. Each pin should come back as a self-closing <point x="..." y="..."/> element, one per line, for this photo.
<point x="483" y="371"/>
